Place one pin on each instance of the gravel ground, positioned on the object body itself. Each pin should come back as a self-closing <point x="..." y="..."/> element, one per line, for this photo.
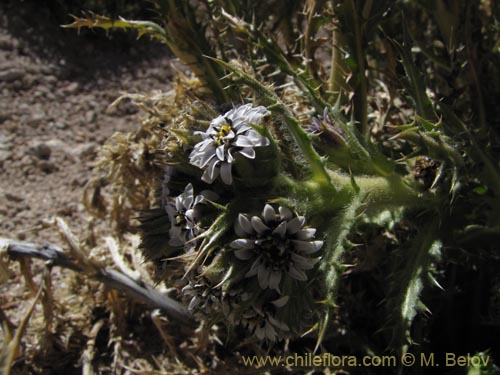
<point x="55" y="88"/>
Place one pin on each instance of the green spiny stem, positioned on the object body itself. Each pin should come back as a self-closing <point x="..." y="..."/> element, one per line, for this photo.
<point x="305" y="79"/>
<point x="318" y="169"/>
<point x="436" y="147"/>
<point x="378" y="192"/>
<point x="312" y="7"/>
<point x="410" y="267"/>
<point x="319" y="172"/>
<point x="362" y="94"/>
<point x="338" y="77"/>
<point x="331" y="264"/>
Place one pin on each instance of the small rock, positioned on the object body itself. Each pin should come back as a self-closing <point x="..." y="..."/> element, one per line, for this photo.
<point x="71" y="88"/>
<point x="50" y="79"/>
<point x="58" y="125"/>
<point x="13" y="197"/>
<point x="90" y="117"/>
<point x="42" y="151"/>
<point x="36" y="119"/>
<point x="6" y="141"/>
<point x="86" y="150"/>
<point x="5" y="155"/>
<point x="11" y="75"/>
<point x="47" y="166"/>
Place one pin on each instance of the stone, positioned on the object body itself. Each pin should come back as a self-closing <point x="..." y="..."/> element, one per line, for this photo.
<point x="5" y="155"/>
<point x="72" y="88"/>
<point x="90" y="117"/>
<point x="11" y="75"/>
<point x="47" y="166"/>
<point x="42" y="151"/>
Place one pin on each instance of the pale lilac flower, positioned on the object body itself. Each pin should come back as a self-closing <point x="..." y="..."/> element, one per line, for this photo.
<point x="227" y="136"/>
<point x="261" y="320"/>
<point x="183" y="215"/>
<point x="322" y="126"/>
<point x="277" y="244"/>
<point x="208" y="300"/>
<point x="202" y="297"/>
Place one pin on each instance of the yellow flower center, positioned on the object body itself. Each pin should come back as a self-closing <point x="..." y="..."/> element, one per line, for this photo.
<point x="223" y="131"/>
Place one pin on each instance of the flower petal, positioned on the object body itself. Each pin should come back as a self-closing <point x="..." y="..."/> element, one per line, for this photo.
<point x="244" y="141"/>
<point x="305" y="234"/>
<point x="297" y="274"/>
<point x="295" y="224"/>
<point x="263" y="276"/>
<point x="241" y="127"/>
<point x="307" y="247"/>
<point x="219" y="151"/>
<point x="280" y="302"/>
<point x="230" y="157"/>
<point x="259" y="225"/>
<point x="254" y="268"/>
<point x="200" y="156"/>
<point x="303" y="262"/>
<point x="238" y="230"/>
<point x="218" y="121"/>
<point x="245" y="224"/>
<point x="225" y="173"/>
<point x="270" y="332"/>
<point x="188" y="196"/>
<point x="190" y="214"/>
<point x="280" y="229"/>
<point x="195" y="301"/>
<point x="285" y="213"/>
<point x="211" y="172"/>
<point x="278" y="324"/>
<point x="244" y="254"/>
<point x="274" y="280"/>
<point x="248" y="152"/>
<point x="242" y="244"/>
<point x="268" y="213"/>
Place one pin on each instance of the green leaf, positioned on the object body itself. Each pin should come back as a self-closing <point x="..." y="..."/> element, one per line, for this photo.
<point x="409" y="270"/>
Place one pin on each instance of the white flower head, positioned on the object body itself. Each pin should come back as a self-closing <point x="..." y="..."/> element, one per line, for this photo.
<point x="202" y="297"/>
<point x="277" y="243"/>
<point x="227" y="136"/>
<point x="261" y="320"/>
<point x="183" y="215"/>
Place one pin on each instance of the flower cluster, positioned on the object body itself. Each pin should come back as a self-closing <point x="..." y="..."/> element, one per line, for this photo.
<point x="276" y="244"/>
<point x="259" y="319"/>
<point x="227" y="137"/>
<point x="183" y="215"/>
<point x="228" y="259"/>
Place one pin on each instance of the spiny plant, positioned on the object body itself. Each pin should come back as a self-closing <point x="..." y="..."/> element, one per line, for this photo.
<point x="331" y="171"/>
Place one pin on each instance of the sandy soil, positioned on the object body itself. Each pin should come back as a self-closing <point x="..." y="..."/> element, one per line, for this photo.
<point x="55" y="88"/>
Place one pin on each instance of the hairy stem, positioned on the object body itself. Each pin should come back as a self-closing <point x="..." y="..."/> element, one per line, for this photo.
<point x="360" y="97"/>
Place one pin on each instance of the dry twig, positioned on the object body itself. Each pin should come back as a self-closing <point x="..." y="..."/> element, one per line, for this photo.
<point x="111" y="278"/>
